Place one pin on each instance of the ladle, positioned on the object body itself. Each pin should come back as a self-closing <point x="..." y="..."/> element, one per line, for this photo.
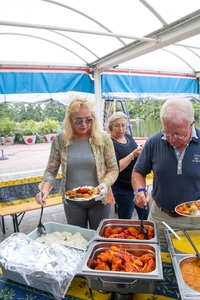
<point x="191" y="242"/>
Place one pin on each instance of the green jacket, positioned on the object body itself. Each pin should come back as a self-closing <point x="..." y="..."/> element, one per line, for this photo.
<point x="106" y="164"/>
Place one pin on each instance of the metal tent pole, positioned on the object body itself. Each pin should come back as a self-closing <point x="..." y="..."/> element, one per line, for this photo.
<point x="2" y="155"/>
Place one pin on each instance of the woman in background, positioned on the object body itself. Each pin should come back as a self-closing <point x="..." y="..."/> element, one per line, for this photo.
<point x="87" y="158"/>
<point x="127" y="151"/>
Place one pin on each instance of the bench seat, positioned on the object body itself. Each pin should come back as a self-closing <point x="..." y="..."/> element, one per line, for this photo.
<point x="17" y="211"/>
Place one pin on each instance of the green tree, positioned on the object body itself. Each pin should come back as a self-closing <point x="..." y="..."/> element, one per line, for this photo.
<point x="39" y="113"/>
<point x="54" y="111"/>
<point x="4" y="111"/>
<point x="36" y="112"/>
<point x="196" y="106"/>
<point x="144" y="109"/>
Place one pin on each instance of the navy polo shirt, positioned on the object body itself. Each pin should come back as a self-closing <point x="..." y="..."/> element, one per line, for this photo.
<point x="176" y="180"/>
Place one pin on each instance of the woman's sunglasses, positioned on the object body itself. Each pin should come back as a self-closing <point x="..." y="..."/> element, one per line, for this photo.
<point x="80" y="121"/>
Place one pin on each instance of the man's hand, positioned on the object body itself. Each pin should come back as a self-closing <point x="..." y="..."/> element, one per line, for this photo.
<point x="141" y="199"/>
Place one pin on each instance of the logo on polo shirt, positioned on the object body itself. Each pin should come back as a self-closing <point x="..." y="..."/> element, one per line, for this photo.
<point x="196" y="158"/>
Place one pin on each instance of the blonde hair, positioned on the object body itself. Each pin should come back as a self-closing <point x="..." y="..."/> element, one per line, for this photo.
<point x="95" y="131"/>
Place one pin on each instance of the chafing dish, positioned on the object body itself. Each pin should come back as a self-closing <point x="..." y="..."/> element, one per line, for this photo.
<point x="183" y="246"/>
<point x="121" y="282"/>
<point x="179" y="258"/>
<point x="124" y="223"/>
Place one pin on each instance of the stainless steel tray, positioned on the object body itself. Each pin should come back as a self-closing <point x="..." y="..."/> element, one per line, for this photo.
<point x="128" y="282"/>
<point x="186" y="292"/>
<point x="181" y="249"/>
<point x="124" y="223"/>
<point x="177" y="257"/>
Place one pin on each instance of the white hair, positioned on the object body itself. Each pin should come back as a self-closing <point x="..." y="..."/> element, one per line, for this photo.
<point x="177" y="109"/>
<point x="115" y="116"/>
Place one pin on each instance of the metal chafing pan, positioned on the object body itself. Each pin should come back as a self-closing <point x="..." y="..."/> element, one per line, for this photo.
<point x="182" y="245"/>
<point x="128" y="282"/>
<point x="186" y="292"/>
<point x="179" y="258"/>
<point x="125" y="224"/>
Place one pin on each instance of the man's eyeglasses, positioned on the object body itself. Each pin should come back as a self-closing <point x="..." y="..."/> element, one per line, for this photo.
<point x="177" y="136"/>
<point x="80" y="121"/>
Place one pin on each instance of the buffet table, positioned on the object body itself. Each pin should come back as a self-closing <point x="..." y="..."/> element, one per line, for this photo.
<point x="78" y="290"/>
<point x="18" y="189"/>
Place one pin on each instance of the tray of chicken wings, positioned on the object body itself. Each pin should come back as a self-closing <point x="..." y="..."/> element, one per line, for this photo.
<point x="118" y="230"/>
<point x="130" y="267"/>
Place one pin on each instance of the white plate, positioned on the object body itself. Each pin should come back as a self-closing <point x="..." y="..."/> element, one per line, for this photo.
<point x="97" y="197"/>
<point x="80" y="199"/>
<point x="185" y="215"/>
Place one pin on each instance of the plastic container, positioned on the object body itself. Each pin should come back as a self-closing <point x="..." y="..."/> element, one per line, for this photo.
<point x="51" y="227"/>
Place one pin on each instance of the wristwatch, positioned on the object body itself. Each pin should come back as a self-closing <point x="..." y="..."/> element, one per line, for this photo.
<point x="140" y="190"/>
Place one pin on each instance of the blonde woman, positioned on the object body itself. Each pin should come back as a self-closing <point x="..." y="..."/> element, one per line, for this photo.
<point x="87" y="158"/>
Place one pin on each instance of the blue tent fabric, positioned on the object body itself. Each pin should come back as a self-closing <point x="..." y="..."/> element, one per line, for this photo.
<point x="31" y="87"/>
<point x="44" y="82"/>
<point x="132" y="86"/>
<point x="27" y="87"/>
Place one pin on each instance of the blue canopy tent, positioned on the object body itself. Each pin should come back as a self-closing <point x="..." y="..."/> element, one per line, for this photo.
<point x="38" y="86"/>
<point x="150" y="86"/>
<point x="88" y="38"/>
<point x="122" y="86"/>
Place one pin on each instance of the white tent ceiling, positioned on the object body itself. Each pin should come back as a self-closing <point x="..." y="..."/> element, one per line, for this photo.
<point x="162" y="35"/>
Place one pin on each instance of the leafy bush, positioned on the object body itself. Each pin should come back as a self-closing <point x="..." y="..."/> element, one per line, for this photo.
<point x="49" y="126"/>
<point x="27" y="127"/>
<point x="7" y="127"/>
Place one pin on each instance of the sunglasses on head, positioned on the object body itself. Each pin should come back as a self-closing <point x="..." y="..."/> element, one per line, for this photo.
<point x="81" y="120"/>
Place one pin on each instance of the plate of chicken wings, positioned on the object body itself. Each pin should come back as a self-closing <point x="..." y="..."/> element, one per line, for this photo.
<point x="189" y="209"/>
<point x="84" y="193"/>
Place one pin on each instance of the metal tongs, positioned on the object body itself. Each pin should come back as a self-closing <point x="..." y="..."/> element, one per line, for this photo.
<point x="191" y="242"/>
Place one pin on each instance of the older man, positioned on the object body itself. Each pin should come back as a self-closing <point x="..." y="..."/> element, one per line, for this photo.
<point x="174" y="156"/>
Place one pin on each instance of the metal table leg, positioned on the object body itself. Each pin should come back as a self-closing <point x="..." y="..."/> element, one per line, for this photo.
<point x="3" y="225"/>
<point x="17" y="222"/>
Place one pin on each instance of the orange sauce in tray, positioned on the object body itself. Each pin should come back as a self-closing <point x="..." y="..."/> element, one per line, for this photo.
<point x="190" y="271"/>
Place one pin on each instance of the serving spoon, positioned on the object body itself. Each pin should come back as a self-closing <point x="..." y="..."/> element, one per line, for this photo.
<point x="41" y="227"/>
<point x="191" y="242"/>
<point x="144" y="231"/>
<point x="172" y="231"/>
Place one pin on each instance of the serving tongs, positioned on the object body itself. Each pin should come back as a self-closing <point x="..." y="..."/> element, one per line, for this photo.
<point x="191" y="242"/>
<point x="41" y="227"/>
